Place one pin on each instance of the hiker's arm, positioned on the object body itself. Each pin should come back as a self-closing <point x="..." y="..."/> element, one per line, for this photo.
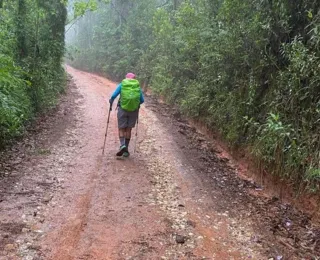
<point x="116" y="93"/>
<point x="141" y="97"/>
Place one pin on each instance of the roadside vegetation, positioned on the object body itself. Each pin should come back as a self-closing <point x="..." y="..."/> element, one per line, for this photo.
<point x="249" y="69"/>
<point x="31" y="52"/>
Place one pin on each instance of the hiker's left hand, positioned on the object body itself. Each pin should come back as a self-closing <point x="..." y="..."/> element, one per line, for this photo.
<point x="110" y="102"/>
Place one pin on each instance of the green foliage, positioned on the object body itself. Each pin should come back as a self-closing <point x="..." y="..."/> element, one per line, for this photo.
<point x="15" y="104"/>
<point x="31" y="51"/>
<point x="247" y="68"/>
<point x="81" y="7"/>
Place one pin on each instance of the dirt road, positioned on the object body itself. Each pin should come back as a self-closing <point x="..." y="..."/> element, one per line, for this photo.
<point x="174" y="198"/>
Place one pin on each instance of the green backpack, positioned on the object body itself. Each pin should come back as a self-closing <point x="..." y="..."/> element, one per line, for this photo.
<point x="130" y="95"/>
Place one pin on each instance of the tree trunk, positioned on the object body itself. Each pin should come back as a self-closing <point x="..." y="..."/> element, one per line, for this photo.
<point x="175" y="4"/>
<point x="21" y="30"/>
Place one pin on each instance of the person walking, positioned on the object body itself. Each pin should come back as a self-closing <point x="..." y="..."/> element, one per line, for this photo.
<point x="131" y="97"/>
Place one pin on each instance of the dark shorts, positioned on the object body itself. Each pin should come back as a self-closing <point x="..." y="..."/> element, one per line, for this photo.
<point x="127" y="119"/>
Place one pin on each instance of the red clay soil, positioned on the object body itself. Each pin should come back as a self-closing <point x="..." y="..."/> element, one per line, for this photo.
<point x="174" y="198"/>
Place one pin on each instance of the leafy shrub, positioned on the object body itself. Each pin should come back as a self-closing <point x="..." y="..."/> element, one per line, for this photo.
<point x="31" y="52"/>
<point x="15" y="106"/>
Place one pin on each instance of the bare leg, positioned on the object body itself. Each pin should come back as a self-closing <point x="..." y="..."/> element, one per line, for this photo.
<point x="127" y="136"/>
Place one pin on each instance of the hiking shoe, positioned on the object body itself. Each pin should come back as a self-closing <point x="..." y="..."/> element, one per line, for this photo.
<point x="123" y="149"/>
<point x="126" y="154"/>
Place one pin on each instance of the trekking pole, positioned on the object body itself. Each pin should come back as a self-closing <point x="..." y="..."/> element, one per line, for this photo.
<point x="105" y="137"/>
<point x="135" y="141"/>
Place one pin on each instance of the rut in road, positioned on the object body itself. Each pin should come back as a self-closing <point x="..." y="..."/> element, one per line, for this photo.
<point x="172" y="199"/>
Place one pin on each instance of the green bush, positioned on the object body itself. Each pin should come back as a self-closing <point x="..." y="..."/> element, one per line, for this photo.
<point x="31" y="52"/>
<point x="15" y="106"/>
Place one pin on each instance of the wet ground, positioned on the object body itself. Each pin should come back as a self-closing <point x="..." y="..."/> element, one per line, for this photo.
<point x="176" y="197"/>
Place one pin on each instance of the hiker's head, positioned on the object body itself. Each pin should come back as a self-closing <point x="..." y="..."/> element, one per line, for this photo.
<point x="130" y="75"/>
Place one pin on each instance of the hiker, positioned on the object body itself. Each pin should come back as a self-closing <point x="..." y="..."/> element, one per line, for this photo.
<point x="131" y="97"/>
